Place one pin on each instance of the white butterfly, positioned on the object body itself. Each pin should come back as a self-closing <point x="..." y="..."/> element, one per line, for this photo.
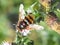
<point x="25" y="32"/>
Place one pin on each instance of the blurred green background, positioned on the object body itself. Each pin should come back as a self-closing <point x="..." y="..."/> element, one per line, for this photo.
<point x="9" y="11"/>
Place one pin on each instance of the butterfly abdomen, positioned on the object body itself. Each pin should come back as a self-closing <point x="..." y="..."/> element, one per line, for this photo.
<point x="29" y="19"/>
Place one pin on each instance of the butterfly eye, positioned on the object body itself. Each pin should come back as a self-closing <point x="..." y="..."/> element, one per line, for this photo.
<point x="21" y="26"/>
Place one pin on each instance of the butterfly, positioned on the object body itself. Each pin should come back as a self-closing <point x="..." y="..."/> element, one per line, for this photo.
<point x="26" y="23"/>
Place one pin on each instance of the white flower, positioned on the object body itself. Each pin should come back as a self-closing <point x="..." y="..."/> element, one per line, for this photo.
<point x="6" y="43"/>
<point x="25" y="32"/>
